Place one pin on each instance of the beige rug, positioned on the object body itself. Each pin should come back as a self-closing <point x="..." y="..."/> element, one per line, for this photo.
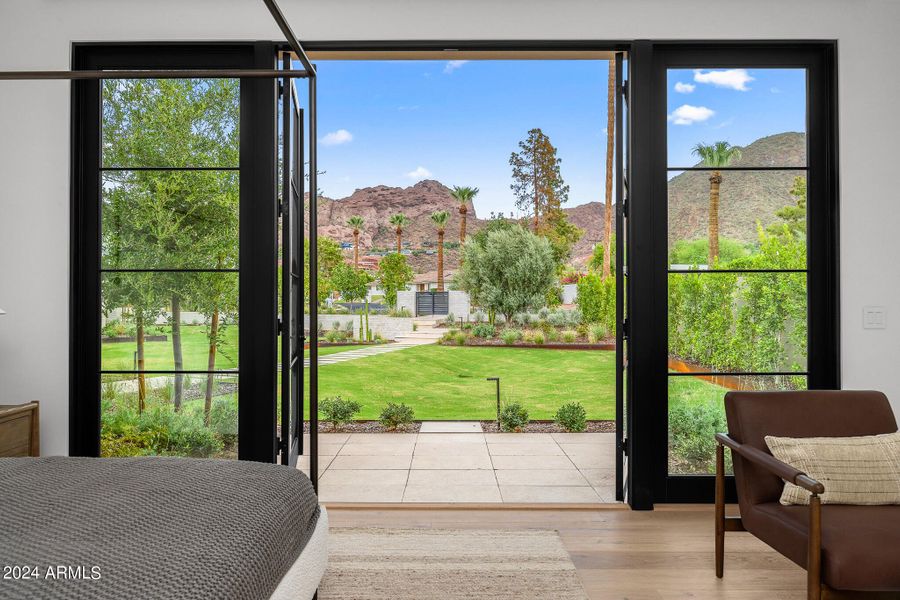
<point x="445" y="564"/>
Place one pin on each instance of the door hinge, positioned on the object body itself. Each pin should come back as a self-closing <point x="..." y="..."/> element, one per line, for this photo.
<point x="280" y="89"/>
<point x="623" y="445"/>
<point x="624" y="89"/>
<point x="625" y="207"/>
<point x="282" y="444"/>
<point x="280" y="326"/>
<point x="626" y="329"/>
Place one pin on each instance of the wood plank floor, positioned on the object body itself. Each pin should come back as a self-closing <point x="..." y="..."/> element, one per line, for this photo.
<point x="621" y="554"/>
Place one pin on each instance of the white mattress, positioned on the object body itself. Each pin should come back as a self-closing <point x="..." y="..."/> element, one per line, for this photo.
<point x="302" y="579"/>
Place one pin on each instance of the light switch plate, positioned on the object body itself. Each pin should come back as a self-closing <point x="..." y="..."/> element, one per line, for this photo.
<point x="874" y="317"/>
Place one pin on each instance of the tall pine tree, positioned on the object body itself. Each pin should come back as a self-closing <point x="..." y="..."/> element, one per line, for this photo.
<point x="537" y="183"/>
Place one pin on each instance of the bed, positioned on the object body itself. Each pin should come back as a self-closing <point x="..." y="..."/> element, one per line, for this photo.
<point x="156" y="527"/>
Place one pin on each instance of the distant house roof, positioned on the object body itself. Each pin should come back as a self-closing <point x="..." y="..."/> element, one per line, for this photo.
<point x="431" y="276"/>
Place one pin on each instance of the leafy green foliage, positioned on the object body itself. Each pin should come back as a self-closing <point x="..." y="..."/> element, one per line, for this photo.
<point x="561" y="234"/>
<point x="572" y="417"/>
<point x="350" y="282"/>
<point x="510" y="272"/>
<point x="329" y="257"/>
<point x="513" y="417"/>
<point x="338" y="411"/>
<point x="692" y="430"/>
<point x="484" y="330"/>
<point x="394" y="274"/>
<point x="394" y="415"/>
<point x="696" y="252"/>
<point x="569" y="336"/>
<point x="511" y="336"/>
<point x="597" y="300"/>
<point x="537" y="182"/>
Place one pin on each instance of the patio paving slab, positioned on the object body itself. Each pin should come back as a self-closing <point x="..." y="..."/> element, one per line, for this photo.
<point x="525" y="449"/>
<point x="536" y="493"/>
<point x="443" y="477"/>
<point x="371" y="462"/>
<point x="361" y="493"/>
<point x="452" y="493"/>
<point x="383" y="449"/>
<point x="442" y="461"/>
<point x="450" y="427"/>
<point x="364" y="477"/>
<point x="532" y="462"/>
<point x="566" y="477"/>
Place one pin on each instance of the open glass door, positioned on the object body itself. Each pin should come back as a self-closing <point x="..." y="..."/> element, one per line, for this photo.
<point x="291" y="320"/>
<point x="621" y="185"/>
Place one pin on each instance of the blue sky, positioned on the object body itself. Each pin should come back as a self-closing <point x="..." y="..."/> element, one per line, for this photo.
<point x="397" y="122"/>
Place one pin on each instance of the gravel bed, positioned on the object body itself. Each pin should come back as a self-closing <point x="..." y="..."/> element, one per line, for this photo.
<point x="363" y="427"/>
<point x="486" y="426"/>
<point x="551" y="427"/>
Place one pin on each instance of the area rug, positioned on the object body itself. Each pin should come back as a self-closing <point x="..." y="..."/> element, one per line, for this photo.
<point x="446" y="564"/>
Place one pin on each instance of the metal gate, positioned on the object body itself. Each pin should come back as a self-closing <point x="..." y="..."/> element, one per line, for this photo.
<point x="432" y="303"/>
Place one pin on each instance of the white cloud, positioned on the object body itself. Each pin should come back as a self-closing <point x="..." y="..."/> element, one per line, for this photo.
<point x="735" y="79"/>
<point x="419" y="174"/>
<point x="453" y="65"/>
<point x="336" y="138"/>
<point x="684" y="88"/>
<point x="687" y="114"/>
<point x="775" y="90"/>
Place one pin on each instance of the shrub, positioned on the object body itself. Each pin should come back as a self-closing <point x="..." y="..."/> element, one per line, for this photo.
<point x="572" y="417"/>
<point x="597" y="333"/>
<point x="552" y="335"/>
<point x="513" y="417"/>
<point x="393" y="415"/>
<point x="484" y="330"/>
<point x="544" y="313"/>
<point x="114" y="328"/>
<point x="574" y="317"/>
<point x="194" y="440"/>
<point x="336" y="326"/>
<point x="557" y="319"/>
<point x="692" y="430"/>
<point x="528" y="336"/>
<point x="333" y="337"/>
<point x="338" y="411"/>
<point x="522" y="319"/>
<point x="511" y="336"/>
<point x="400" y="312"/>
<point x="450" y="320"/>
<point x="538" y="338"/>
<point x="348" y="328"/>
<point x="478" y="317"/>
<point x="597" y="300"/>
<point x="223" y="420"/>
<point x="460" y="338"/>
<point x="569" y="336"/>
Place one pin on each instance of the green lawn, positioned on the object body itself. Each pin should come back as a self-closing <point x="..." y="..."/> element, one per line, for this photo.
<point x="448" y="382"/>
<point x="158" y="355"/>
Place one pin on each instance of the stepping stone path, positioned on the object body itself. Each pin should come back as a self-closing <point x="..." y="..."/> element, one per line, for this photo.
<point x="425" y="333"/>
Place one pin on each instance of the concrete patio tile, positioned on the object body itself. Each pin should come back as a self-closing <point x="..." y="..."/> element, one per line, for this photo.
<point x="371" y="462"/>
<point x="450" y="427"/>
<point x="588" y="449"/>
<point x="445" y="461"/>
<point x="516" y="437"/>
<point x="355" y="492"/>
<point x="532" y="462"/>
<point x="588" y="461"/>
<point x="439" y="478"/>
<point x="324" y="449"/>
<point x="452" y="493"/>
<point x="536" y="493"/>
<point x="324" y="463"/>
<point x="328" y="438"/>
<point x="584" y="438"/>
<point x="445" y="449"/>
<point x="450" y="438"/>
<point x="516" y="477"/>
<point x="365" y="477"/>
<point x="382" y="438"/>
<point x="525" y="449"/>
<point x="600" y="477"/>
<point x="383" y="449"/>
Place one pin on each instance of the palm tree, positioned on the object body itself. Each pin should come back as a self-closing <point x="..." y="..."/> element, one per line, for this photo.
<point x="610" y="132"/>
<point x="440" y="218"/>
<point x="716" y="156"/>
<point x="463" y="195"/>
<point x="356" y="222"/>
<point x="399" y="221"/>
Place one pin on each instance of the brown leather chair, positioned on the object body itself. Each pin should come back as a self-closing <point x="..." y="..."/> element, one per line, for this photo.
<point x="848" y="551"/>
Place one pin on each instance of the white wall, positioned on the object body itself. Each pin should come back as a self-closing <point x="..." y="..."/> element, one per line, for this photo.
<point x="34" y="135"/>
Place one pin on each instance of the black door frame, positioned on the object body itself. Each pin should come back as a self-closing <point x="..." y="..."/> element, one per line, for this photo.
<point x="257" y="238"/>
<point x="647" y="480"/>
<point x="649" y="215"/>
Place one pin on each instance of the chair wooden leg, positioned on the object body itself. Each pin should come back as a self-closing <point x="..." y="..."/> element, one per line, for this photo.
<point x="814" y="550"/>
<point x="720" y="510"/>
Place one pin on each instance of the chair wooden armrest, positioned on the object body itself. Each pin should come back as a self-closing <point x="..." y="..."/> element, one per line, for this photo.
<point x="771" y="464"/>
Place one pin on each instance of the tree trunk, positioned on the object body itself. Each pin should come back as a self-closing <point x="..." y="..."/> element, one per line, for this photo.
<point x="462" y="223"/>
<point x="176" y="351"/>
<point x="399" y="240"/>
<point x="714" y="180"/>
<point x="356" y="249"/>
<point x="534" y="184"/>
<point x="211" y="364"/>
<point x="610" y="133"/>
<point x="142" y="381"/>
<point x="440" y="273"/>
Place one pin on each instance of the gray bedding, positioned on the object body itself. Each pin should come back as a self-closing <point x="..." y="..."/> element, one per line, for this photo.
<point x="153" y="527"/>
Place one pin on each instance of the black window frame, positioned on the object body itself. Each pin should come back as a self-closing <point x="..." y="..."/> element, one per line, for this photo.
<point x="257" y="238"/>
<point x="649" y="215"/>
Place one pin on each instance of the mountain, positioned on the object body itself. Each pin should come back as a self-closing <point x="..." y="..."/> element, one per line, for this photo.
<point x="745" y="196"/>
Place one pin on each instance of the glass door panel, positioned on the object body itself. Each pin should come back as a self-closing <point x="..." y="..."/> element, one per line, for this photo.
<point x="168" y="276"/>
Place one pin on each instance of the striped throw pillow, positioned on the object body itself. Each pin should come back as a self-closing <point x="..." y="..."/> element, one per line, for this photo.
<point x="854" y="470"/>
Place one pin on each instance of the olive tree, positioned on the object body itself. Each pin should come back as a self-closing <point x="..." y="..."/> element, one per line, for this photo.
<point x="507" y="271"/>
